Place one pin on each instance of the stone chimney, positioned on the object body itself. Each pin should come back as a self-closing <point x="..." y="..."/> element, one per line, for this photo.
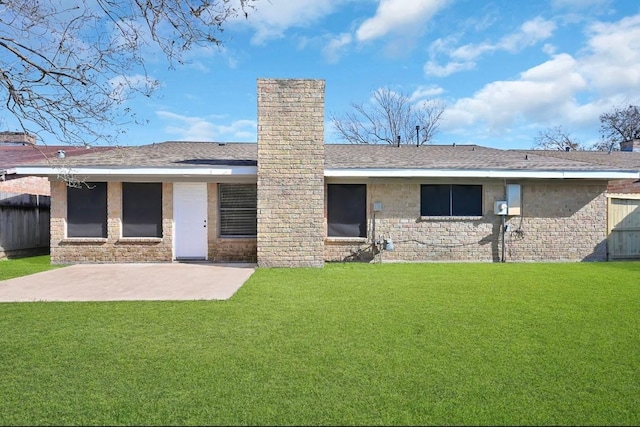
<point x="17" y="138"/>
<point x="290" y="173"/>
<point x="631" y="145"/>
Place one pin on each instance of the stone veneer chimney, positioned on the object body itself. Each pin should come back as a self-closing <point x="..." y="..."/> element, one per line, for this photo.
<point x="631" y="145"/>
<point x="290" y="173"/>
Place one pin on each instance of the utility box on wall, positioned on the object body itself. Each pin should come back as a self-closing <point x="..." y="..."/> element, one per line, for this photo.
<point x="514" y="199"/>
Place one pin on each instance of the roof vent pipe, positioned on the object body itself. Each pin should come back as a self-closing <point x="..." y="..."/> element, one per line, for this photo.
<point x="398" y="140"/>
<point x="567" y="149"/>
<point x="417" y="135"/>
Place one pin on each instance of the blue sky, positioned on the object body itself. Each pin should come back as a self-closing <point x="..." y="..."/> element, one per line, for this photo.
<point x="506" y="69"/>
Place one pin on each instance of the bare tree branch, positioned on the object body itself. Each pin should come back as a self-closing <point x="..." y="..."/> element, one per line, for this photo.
<point x="620" y="125"/>
<point x="428" y="117"/>
<point x="68" y="70"/>
<point x="390" y="115"/>
<point x="556" y="138"/>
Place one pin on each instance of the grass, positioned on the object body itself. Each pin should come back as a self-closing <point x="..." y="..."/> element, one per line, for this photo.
<point x="25" y="266"/>
<point x="410" y="344"/>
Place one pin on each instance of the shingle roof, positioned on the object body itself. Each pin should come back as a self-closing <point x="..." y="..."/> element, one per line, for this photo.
<point x="170" y="154"/>
<point x="349" y="156"/>
<point x="621" y="159"/>
<point x="14" y="155"/>
<point x="444" y="157"/>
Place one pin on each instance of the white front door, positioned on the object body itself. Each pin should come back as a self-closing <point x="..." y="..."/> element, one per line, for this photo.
<point x="190" y="220"/>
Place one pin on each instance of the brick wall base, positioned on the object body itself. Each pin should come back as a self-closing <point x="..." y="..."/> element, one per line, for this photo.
<point x="26" y="185"/>
<point x="560" y="222"/>
<point x="116" y="249"/>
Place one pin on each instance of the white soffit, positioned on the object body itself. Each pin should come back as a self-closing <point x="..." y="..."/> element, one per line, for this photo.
<point x="170" y="172"/>
<point x="478" y="173"/>
<point x="338" y="173"/>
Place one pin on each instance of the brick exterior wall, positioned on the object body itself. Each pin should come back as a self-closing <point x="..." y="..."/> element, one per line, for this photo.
<point x="290" y="173"/>
<point x="561" y="222"/>
<point x="114" y="248"/>
<point x="629" y="186"/>
<point x="26" y="185"/>
<point x="17" y="138"/>
<point x="117" y="249"/>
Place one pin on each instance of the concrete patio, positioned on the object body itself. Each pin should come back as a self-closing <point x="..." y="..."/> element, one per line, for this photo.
<point x="129" y="282"/>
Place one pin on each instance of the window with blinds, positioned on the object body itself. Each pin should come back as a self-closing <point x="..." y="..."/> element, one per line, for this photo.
<point x="237" y="210"/>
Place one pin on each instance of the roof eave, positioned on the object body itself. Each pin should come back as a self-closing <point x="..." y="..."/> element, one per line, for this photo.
<point x="332" y="172"/>
<point x="122" y="172"/>
<point x="478" y="173"/>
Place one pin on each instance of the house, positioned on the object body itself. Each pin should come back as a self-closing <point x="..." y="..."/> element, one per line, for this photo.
<point x="25" y="199"/>
<point x="292" y="200"/>
<point x="623" y="197"/>
<point x="628" y="158"/>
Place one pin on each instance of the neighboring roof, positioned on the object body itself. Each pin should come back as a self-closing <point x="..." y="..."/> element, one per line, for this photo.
<point x="170" y="154"/>
<point x="14" y="155"/>
<point x="210" y="158"/>
<point x="621" y="159"/>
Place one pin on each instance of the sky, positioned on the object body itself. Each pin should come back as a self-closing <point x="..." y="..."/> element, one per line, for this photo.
<point x="506" y="69"/>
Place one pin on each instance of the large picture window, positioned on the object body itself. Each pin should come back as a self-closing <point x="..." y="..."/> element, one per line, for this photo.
<point x="346" y="210"/>
<point x="87" y="210"/>
<point x="450" y="200"/>
<point x="238" y="210"/>
<point x="141" y="209"/>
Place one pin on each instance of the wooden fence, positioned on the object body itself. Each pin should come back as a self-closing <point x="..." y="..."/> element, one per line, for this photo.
<point x="624" y="227"/>
<point x="24" y="224"/>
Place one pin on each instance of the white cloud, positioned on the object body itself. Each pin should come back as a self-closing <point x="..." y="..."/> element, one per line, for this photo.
<point x="542" y="93"/>
<point x="194" y="128"/>
<point x="568" y="90"/>
<point x="198" y="57"/>
<point x="531" y="32"/>
<point x="122" y="87"/>
<point x="425" y="92"/>
<point x="336" y="47"/>
<point x="398" y="16"/>
<point x="579" y="4"/>
<point x="272" y="18"/>
<point x="463" y="58"/>
<point x="614" y="55"/>
<point x="432" y="68"/>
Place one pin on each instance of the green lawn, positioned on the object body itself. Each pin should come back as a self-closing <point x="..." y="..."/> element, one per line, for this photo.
<point x="347" y="344"/>
<point x="24" y="266"/>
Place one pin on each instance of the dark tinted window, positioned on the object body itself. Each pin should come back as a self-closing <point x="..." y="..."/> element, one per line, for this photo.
<point x="466" y="200"/>
<point x="238" y="209"/>
<point x="87" y="210"/>
<point x="450" y="200"/>
<point x="347" y="210"/>
<point x="141" y="209"/>
<point x="435" y="200"/>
